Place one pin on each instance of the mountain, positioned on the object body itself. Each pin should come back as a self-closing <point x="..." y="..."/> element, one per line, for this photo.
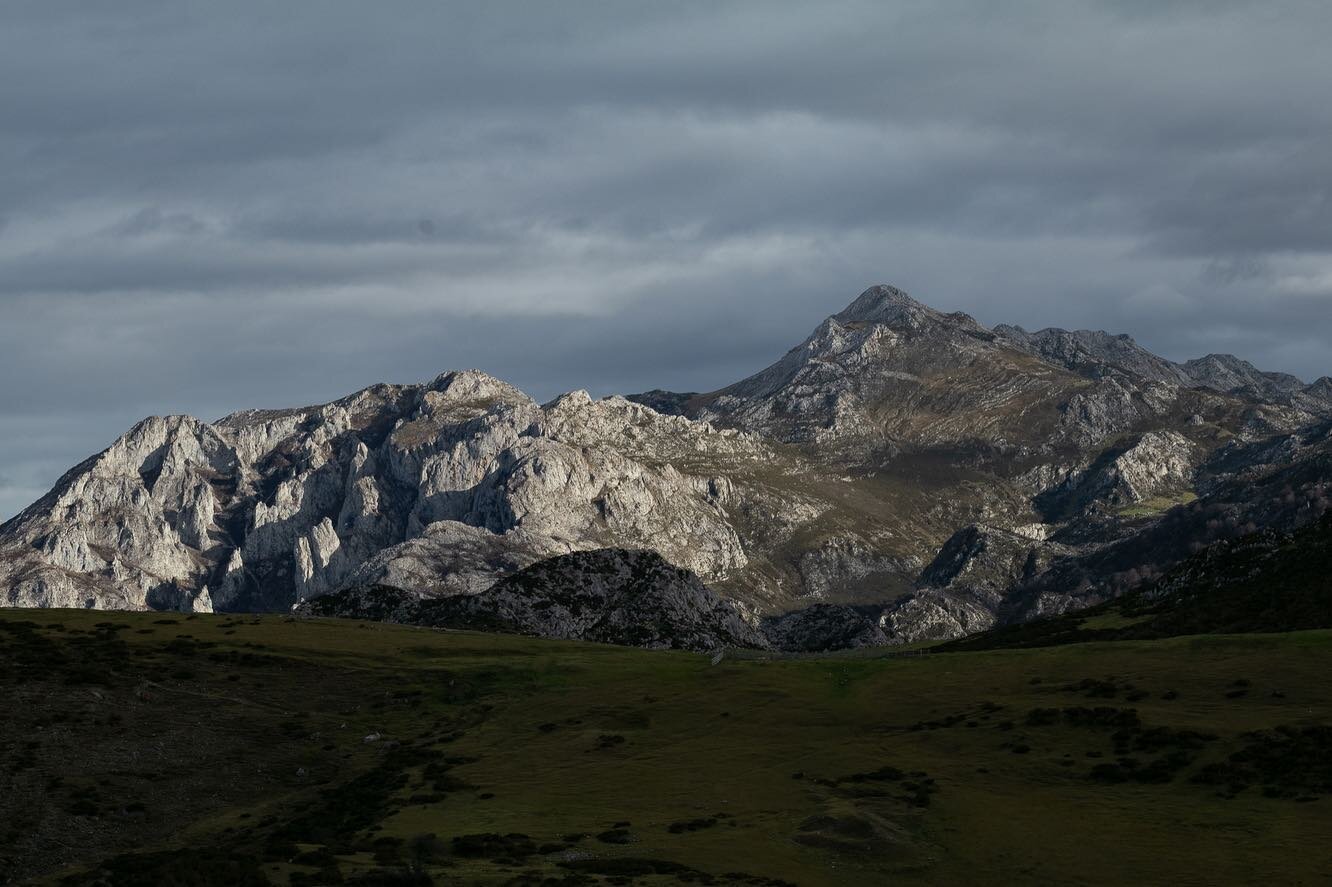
<point x="436" y="486"/>
<point x="1094" y="352"/>
<point x="910" y="472"/>
<point x="1265" y="581"/>
<point x="889" y="370"/>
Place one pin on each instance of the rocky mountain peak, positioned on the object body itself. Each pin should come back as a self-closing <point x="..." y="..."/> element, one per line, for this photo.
<point x="463" y="391"/>
<point x="1234" y="372"/>
<point x="471" y="384"/>
<point x="889" y="306"/>
<point x="1093" y="352"/>
<point x="881" y="303"/>
<point x="1228" y="373"/>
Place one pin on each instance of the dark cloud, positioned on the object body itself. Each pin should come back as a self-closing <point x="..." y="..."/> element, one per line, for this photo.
<point x="206" y="209"/>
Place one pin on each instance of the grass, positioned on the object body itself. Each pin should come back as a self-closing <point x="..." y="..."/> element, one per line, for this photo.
<point x="1157" y="504"/>
<point x="234" y="749"/>
<point x="1110" y="619"/>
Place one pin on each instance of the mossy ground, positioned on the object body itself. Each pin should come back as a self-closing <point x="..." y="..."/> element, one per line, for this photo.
<point x="216" y="749"/>
<point x="1158" y="504"/>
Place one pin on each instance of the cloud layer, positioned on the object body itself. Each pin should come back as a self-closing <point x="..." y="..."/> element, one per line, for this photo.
<point x="204" y="208"/>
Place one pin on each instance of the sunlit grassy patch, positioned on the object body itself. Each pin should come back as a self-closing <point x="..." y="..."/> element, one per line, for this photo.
<point x="1157" y="504"/>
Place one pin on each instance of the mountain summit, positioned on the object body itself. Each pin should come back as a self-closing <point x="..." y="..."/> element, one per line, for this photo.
<point x="912" y="464"/>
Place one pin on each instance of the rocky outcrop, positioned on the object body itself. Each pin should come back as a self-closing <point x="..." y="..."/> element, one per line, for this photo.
<point x="131" y="528"/>
<point x="1266" y="581"/>
<point x="888" y="368"/>
<point x="934" y="614"/>
<point x="442" y="486"/>
<point x="921" y="616"/>
<point x="985" y="560"/>
<point x="613" y="596"/>
<point x="1226" y="372"/>
<point x="848" y="561"/>
<point x="1095" y="353"/>
<point x="371" y="603"/>
<point x="1158" y="464"/>
<point x="965" y="588"/>
<point x="827" y="627"/>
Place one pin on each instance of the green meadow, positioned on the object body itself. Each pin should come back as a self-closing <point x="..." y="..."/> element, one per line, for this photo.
<point x="151" y="748"/>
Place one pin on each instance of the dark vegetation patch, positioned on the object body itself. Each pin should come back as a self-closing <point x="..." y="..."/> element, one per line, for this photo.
<point x="1100" y="717"/>
<point x="616" y="836"/>
<point x="437" y="774"/>
<point x="492" y="846"/>
<point x="691" y="825"/>
<point x="1287" y="762"/>
<point x="849" y="833"/>
<point x="389" y="877"/>
<point x="917" y="786"/>
<point x="125" y="695"/>
<point x="624" y="869"/>
<point x="1094" y="688"/>
<point x="971" y="718"/>
<point x="357" y="804"/>
<point x="1174" y="750"/>
<point x="194" y="867"/>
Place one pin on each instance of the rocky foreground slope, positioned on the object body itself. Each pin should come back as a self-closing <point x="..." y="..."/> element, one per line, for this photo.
<point x="911" y="472"/>
<point x="609" y="595"/>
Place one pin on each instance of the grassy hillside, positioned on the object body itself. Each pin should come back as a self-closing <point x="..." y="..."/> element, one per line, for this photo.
<point x="147" y="748"/>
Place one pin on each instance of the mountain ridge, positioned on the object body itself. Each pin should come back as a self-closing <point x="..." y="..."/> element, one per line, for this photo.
<point x="837" y="475"/>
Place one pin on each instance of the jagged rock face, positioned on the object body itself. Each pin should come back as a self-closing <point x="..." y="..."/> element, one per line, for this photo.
<point x="1095" y="353"/>
<point x="934" y="614"/>
<point x="614" y="596"/>
<point x="848" y="560"/>
<point x="891" y="369"/>
<point x="1113" y="406"/>
<point x="984" y="576"/>
<point x="826" y="627"/>
<point x="1226" y="372"/>
<point x="453" y="558"/>
<point x="131" y="528"/>
<point x="1157" y="464"/>
<point x="967" y="584"/>
<point x="985" y="561"/>
<point x="440" y="486"/>
<point x="1160" y="462"/>
<point x="889" y="372"/>
<point x="372" y="603"/>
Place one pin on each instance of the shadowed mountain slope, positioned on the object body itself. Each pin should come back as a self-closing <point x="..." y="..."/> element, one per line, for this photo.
<point x="1261" y="582"/>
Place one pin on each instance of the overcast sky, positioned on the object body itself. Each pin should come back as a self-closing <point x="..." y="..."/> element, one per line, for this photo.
<point x="209" y="206"/>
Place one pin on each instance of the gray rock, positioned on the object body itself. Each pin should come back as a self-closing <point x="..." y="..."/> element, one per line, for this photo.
<point x="443" y="486"/>
<point x="827" y="627"/>
<point x="1156" y="464"/>
<point x="615" y="596"/>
